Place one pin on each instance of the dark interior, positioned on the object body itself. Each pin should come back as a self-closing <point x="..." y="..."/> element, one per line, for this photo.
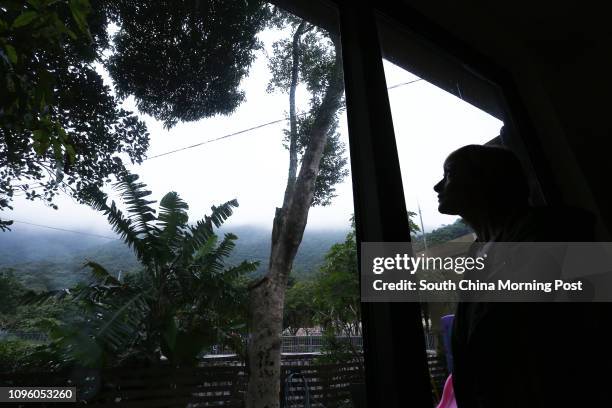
<point x="542" y="68"/>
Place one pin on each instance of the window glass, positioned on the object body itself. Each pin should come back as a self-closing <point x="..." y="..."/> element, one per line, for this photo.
<point x="429" y="124"/>
<point x="225" y="97"/>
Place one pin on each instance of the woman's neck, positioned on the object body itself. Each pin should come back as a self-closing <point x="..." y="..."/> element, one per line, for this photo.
<point x="490" y="225"/>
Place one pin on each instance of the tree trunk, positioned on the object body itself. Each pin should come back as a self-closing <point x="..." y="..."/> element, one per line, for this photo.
<point x="268" y="294"/>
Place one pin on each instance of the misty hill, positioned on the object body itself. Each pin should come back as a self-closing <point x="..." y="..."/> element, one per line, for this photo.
<point x="54" y="259"/>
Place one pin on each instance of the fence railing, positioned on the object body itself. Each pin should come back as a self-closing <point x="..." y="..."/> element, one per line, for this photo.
<point x="221" y="381"/>
<point x="314" y="344"/>
<point x="298" y="344"/>
<point x="205" y="385"/>
<point x="289" y="344"/>
<point x="23" y="335"/>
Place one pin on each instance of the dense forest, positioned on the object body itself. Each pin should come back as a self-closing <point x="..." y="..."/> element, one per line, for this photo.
<point x="54" y="259"/>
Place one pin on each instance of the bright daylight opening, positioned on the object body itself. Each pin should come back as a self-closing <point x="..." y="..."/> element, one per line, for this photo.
<point x="175" y="273"/>
<point x="429" y="124"/>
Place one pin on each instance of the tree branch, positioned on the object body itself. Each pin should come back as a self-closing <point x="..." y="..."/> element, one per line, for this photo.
<point x="293" y="153"/>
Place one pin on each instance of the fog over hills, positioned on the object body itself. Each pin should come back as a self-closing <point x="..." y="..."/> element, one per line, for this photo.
<point x="45" y="259"/>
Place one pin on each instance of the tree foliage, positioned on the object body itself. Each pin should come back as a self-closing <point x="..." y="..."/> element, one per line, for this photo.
<point x="11" y="289"/>
<point x="332" y="297"/>
<point x="184" y="60"/>
<point x="184" y="299"/>
<point x="443" y="234"/>
<point x="316" y="61"/>
<point x="299" y="311"/>
<point x="60" y="125"/>
<point x="337" y="296"/>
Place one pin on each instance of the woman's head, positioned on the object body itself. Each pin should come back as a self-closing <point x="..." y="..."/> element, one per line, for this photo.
<point x="482" y="178"/>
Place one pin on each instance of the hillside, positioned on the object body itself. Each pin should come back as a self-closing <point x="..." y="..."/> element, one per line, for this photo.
<point x="54" y="260"/>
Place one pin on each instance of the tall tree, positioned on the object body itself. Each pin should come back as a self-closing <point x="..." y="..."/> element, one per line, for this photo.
<point x="310" y="56"/>
<point x="60" y="126"/>
<point x="184" y="60"/>
<point x="174" y="69"/>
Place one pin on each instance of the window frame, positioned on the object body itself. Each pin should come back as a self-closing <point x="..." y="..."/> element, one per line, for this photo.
<point x="394" y="345"/>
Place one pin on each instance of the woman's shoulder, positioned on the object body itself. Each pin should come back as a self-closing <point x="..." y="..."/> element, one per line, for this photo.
<point x="553" y="224"/>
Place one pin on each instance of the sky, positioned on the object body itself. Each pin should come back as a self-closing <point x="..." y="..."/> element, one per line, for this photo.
<point x="429" y="124"/>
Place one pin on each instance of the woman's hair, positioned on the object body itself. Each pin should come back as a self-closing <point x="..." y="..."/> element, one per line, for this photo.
<point x="499" y="172"/>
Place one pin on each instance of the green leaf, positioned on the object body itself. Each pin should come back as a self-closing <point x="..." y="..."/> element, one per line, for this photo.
<point x="35" y="3"/>
<point x="44" y="88"/>
<point x="101" y="274"/>
<point x="41" y="141"/>
<point x="12" y="54"/>
<point x="80" y="9"/>
<point x="24" y="19"/>
<point x="71" y="153"/>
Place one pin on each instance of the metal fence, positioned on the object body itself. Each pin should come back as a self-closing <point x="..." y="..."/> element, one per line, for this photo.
<point x="23" y="335"/>
<point x="298" y="344"/>
<point x="289" y="344"/>
<point x="314" y="344"/>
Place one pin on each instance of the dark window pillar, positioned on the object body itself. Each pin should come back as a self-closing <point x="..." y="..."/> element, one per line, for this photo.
<point x="395" y="359"/>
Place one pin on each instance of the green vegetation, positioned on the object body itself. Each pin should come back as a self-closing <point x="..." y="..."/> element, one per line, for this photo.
<point x="337" y="295"/>
<point x="60" y="126"/>
<point x="184" y="60"/>
<point x="442" y="234"/>
<point x="329" y="299"/>
<point x="43" y="260"/>
<point x="183" y="299"/>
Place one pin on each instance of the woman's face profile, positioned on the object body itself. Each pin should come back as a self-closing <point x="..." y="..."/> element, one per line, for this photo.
<point x="458" y="190"/>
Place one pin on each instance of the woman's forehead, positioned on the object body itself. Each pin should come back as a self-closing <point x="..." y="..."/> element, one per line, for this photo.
<point x="455" y="160"/>
<point x="450" y="161"/>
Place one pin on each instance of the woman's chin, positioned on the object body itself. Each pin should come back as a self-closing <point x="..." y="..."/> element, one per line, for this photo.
<point x="444" y="209"/>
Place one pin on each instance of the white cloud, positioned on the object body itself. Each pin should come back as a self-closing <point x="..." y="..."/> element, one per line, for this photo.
<point x="429" y="124"/>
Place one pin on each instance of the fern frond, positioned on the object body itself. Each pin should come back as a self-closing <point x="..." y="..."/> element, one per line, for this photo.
<point x="211" y="259"/>
<point x="101" y="274"/>
<point x="243" y="268"/>
<point x="207" y="248"/>
<point x="172" y="220"/>
<point x="221" y="213"/>
<point x="134" y="195"/>
<point x="97" y="199"/>
<point x="226" y="246"/>
<point x="122" y="322"/>
<point x="199" y="233"/>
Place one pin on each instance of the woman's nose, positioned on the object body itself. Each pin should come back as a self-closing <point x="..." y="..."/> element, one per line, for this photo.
<point x="438" y="187"/>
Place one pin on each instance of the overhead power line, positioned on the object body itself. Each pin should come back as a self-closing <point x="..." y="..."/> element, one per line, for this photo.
<point x="179" y="150"/>
<point x="251" y="128"/>
<point x="404" y="83"/>
<point x="64" y="230"/>
<point x="218" y="138"/>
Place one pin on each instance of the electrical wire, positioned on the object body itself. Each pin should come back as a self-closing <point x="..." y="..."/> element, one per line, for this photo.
<point x="251" y="128"/>
<point x="64" y="230"/>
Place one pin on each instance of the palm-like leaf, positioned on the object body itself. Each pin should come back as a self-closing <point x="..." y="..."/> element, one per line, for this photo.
<point x="97" y="199"/>
<point x="101" y="274"/>
<point x="203" y="229"/>
<point x="184" y="274"/>
<point x="243" y="268"/>
<point x="133" y="194"/>
<point x="171" y="221"/>
<point x="120" y="323"/>
<point x="212" y="260"/>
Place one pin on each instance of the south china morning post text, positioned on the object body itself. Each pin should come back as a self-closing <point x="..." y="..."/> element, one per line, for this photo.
<point x="492" y="272"/>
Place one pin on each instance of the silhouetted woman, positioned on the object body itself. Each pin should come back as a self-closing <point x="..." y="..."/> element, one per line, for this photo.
<point x="517" y="355"/>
